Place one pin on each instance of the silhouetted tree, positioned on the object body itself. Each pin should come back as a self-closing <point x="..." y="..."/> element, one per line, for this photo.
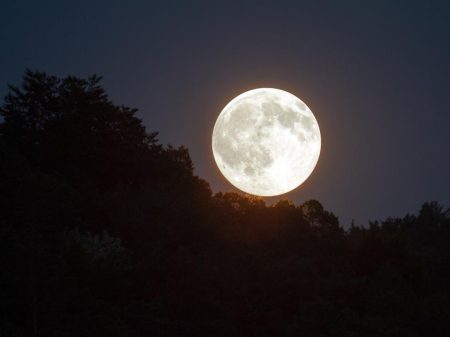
<point x="105" y="232"/>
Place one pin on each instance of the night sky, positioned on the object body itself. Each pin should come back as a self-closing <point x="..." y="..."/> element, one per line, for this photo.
<point x="376" y="76"/>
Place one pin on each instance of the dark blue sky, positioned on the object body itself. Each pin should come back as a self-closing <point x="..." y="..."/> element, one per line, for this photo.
<point x="376" y="75"/>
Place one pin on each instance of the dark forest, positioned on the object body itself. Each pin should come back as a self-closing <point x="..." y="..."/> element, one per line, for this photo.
<point x="106" y="232"/>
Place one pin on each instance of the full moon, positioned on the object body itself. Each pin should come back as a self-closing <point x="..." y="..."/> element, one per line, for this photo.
<point x="266" y="142"/>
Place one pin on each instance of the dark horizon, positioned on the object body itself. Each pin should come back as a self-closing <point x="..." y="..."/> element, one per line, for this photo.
<point x="105" y="232"/>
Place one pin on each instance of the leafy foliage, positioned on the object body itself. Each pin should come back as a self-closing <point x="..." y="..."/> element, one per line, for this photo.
<point x="105" y="232"/>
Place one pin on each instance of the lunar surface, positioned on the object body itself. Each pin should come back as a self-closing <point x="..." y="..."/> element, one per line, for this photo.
<point x="266" y="142"/>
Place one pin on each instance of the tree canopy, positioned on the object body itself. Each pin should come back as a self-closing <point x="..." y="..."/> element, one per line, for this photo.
<point x="106" y="232"/>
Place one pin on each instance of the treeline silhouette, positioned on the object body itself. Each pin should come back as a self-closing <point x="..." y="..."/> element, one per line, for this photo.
<point x="105" y="232"/>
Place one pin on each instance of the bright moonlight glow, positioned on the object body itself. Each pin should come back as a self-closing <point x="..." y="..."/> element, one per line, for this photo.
<point x="266" y="142"/>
